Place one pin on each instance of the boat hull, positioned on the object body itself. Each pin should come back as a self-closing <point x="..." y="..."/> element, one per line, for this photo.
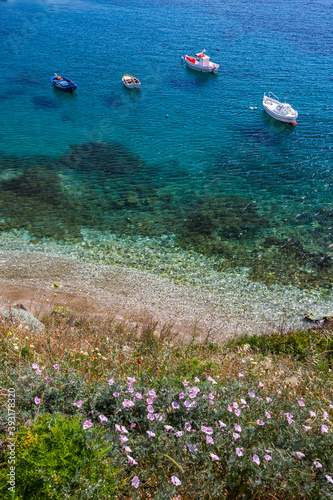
<point x="195" y="67"/>
<point x="131" y="82"/>
<point x="69" y="86"/>
<point x="281" y="112"/>
<point x="282" y="119"/>
<point x="212" y="68"/>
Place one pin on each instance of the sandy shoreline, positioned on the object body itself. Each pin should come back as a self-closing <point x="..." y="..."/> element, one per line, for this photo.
<point x="136" y="296"/>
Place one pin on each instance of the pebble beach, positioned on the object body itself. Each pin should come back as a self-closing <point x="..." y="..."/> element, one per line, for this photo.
<point x="180" y="288"/>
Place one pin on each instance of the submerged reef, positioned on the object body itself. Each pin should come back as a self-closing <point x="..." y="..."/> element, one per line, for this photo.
<point x="104" y="187"/>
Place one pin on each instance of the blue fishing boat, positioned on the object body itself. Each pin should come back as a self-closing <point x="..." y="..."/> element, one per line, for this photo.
<point x="62" y="83"/>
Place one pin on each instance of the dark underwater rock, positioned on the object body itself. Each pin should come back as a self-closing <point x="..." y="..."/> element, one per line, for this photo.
<point x="113" y="101"/>
<point x="45" y="103"/>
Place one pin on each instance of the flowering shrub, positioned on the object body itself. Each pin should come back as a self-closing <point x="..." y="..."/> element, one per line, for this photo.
<point x="245" y="425"/>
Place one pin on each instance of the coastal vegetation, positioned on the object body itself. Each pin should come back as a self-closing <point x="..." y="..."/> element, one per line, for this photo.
<point x="110" y="411"/>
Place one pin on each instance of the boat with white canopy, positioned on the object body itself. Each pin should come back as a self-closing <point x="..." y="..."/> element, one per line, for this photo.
<point x="281" y="111"/>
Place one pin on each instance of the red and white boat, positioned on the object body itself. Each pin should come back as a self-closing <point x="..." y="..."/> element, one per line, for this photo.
<point x="201" y="62"/>
<point x="281" y="111"/>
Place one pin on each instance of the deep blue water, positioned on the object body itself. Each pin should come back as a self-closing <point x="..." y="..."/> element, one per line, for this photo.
<point x="184" y="155"/>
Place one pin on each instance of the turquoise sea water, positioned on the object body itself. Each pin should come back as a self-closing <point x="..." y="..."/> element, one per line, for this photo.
<point x="183" y="162"/>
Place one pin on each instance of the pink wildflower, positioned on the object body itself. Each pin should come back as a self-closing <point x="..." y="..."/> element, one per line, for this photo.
<point x="214" y="457"/>
<point x="236" y="436"/>
<point x="135" y="482"/>
<point x="312" y="414"/>
<point x="185" y="383"/>
<point x="323" y="429"/>
<point x="56" y="366"/>
<point x="260" y="384"/>
<point x="169" y="428"/>
<point x="256" y="459"/>
<point x="317" y="464"/>
<point x="123" y="439"/>
<point x="239" y="452"/>
<point x="175" y="481"/>
<point x="179" y="434"/>
<point x="38" y="371"/>
<point x="329" y="479"/>
<point x="267" y="414"/>
<point x="182" y="395"/>
<point x="37" y="401"/>
<point x="307" y="427"/>
<point x="299" y="454"/>
<point x="127" y="449"/>
<point x="193" y="392"/>
<point x="267" y="458"/>
<point x="131" y="380"/>
<point x="268" y="399"/>
<point x="238" y="428"/>
<point x="103" y="418"/>
<point x="251" y="394"/>
<point x="240" y="375"/>
<point x="151" y="434"/>
<point x="35" y="366"/>
<point x="116" y="394"/>
<point x="87" y="424"/>
<point x="138" y="395"/>
<point x="207" y="430"/>
<point x="127" y="403"/>
<point x="131" y="460"/>
<point x="229" y="408"/>
<point x="211" y="380"/>
<point x="48" y="379"/>
<point x="235" y="405"/>
<point x="222" y="424"/>
<point x="133" y="425"/>
<point x="150" y="408"/>
<point x="301" y="403"/>
<point x="260" y="422"/>
<point x="237" y="412"/>
<point x="188" y="426"/>
<point x="196" y="379"/>
<point x="209" y="440"/>
<point x="111" y="381"/>
<point x="325" y="415"/>
<point x="175" y="405"/>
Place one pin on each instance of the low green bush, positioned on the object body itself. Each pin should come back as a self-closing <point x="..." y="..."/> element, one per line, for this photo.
<point x="301" y="345"/>
<point x="56" y="458"/>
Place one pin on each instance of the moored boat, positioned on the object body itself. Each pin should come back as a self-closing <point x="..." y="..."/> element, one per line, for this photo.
<point x="62" y="83"/>
<point x="131" y="82"/>
<point x="201" y="62"/>
<point x="281" y="111"/>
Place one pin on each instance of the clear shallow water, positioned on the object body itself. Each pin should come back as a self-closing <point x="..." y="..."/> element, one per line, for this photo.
<point x="184" y="159"/>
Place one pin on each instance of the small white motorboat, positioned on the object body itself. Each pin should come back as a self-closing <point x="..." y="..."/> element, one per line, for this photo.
<point x="131" y="82"/>
<point x="201" y="62"/>
<point x="281" y="111"/>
